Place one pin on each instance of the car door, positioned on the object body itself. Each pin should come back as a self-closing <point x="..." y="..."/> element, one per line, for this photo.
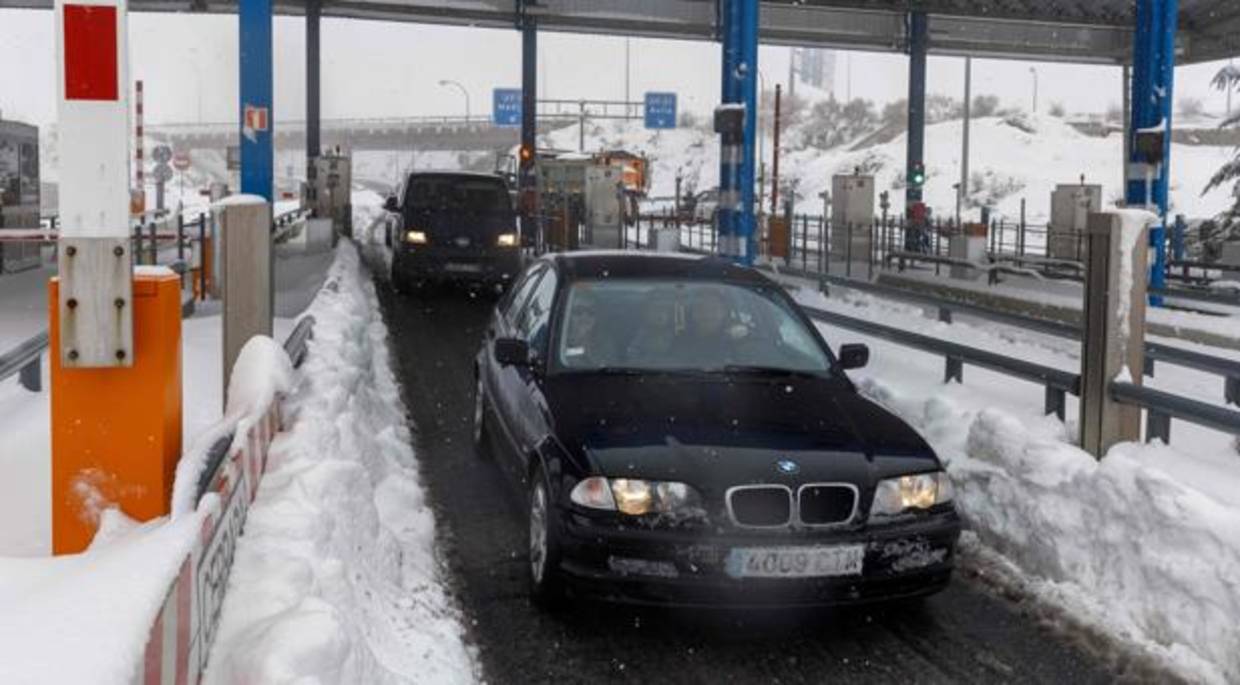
<point x="522" y="385"/>
<point x="504" y="325"/>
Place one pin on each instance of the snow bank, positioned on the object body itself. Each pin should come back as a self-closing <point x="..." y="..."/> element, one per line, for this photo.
<point x="261" y="373"/>
<point x="335" y="577"/>
<point x="1121" y="546"/>
<point x="85" y="618"/>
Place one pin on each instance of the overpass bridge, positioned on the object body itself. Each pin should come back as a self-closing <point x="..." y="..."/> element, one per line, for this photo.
<point x="387" y="133"/>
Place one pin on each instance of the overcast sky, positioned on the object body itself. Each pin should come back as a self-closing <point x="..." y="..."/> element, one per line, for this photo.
<point x="374" y="69"/>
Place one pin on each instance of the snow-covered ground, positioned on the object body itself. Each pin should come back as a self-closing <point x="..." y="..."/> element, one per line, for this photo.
<point x="336" y="576"/>
<point x="1143" y="545"/>
<point x="1015" y="157"/>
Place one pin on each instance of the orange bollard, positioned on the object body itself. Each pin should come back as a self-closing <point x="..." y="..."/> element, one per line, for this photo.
<point x="116" y="432"/>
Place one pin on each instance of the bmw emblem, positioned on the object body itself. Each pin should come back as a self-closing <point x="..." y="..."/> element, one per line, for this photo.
<point x="787" y="466"/>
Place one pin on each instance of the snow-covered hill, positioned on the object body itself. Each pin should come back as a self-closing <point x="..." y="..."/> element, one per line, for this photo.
<point x="1011" y="158"/>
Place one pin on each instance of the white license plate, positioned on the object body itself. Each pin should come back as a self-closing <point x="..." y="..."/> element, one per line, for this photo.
<point x="459" y="267"/>
<point x="795" y="562"/>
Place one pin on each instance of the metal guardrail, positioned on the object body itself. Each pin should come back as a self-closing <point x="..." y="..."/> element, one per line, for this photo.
<point x="295" y="347"/>
<point x="1162" y="406"/>
<point x="1057" y="382"/>
<point x="296" y="343"/>
<point x="24" y="360"/>
<point x="1228" y="369"/>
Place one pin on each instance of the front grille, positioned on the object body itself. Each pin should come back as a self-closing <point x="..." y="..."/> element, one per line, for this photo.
<point x="760" y="505"/>
<point x="827" y="504"/>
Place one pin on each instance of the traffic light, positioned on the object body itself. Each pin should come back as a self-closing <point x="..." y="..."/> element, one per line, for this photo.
<point x="526" y="154"/>
<point x="917" y="175"/>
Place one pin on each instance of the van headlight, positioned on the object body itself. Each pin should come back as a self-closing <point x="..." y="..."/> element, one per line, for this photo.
<point x="919" y="492"/>
<point x="636" y="497"/>
<point x="507" y="240"/>
<point x="416" y="237"/>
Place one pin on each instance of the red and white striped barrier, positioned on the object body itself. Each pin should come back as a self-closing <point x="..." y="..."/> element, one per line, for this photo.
<point x="182" y="634"/>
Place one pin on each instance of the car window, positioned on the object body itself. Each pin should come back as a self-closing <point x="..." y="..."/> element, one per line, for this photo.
<point x="535" y="320"/>
<point x="685" y="325"/>
<point x="517" y="297"/>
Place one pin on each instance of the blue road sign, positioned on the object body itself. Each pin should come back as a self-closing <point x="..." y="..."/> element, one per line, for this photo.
<point x="506" y="107"/>
<point x="660" y="110"/>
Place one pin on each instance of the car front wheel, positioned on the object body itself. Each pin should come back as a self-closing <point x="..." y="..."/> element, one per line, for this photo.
<point x="544" y="547"/>
<point x="482" y="435"/>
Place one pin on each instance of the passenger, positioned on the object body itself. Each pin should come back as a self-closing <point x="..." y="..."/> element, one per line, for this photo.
<point x="585" y="346"/>
<point x="651" y="346"/>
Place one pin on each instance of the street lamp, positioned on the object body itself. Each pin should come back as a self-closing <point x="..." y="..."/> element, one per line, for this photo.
<point x="457" y="84"/>
<point x="1034" y="71"/>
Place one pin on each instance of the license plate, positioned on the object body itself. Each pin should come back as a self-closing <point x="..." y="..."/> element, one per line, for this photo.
<point x="795" y="562"/>
<point x="462" y="268"/>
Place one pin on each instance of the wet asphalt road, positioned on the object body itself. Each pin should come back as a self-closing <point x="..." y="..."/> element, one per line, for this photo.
<point x="965" y="634"/>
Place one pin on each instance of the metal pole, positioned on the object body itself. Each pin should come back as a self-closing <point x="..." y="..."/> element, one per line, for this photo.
<point x="775" y="155"/>
<point x="581" y="126"/>
<point x="527" y="178"/>
<point x="627" y="97"/>
<point x="457" y="84"/>
<point x="313" y="142"/>
<point x="918" y="28"/>
<point x="964" y="152"/>
<point x="1034" y="71"/>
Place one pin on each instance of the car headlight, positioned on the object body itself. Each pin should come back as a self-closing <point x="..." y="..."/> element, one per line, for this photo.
<point x="415" y="237"/>
<point x="895" y="496"/>
<point x="635" y="497"/>
<point x="507" y="240"/>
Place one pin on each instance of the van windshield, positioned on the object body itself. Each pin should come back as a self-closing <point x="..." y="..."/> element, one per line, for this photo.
<point x="456" y="194"/>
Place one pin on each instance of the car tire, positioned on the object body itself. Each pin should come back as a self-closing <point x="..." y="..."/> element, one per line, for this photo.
<point x="546" y="588"/>
<point x="482" y="428"/>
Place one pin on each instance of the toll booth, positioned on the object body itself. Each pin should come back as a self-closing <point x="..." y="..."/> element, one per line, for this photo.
<point x="328" y="190"/>
<point x="852" y="223"/>
<point x="604" y="208"/>
<point x="562" y="183"/>
<point x="19" y="193"/>
<point x="1071" y="205"/>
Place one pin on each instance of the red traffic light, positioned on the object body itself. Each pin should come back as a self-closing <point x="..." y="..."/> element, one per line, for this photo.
<point x="526" y="153"/>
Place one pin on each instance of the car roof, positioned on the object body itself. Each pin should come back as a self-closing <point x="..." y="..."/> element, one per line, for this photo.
<point x="592" y="264"/>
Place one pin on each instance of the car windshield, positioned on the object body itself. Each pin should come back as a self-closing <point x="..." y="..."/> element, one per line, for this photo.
<point x="683" y="325"/>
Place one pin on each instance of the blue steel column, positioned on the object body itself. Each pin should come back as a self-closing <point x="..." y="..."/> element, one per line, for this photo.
<point x="918" y="43"/>
<point x="1153" y="68"/>
<point x="736" y="171"/>
<point x="255" y="43"/>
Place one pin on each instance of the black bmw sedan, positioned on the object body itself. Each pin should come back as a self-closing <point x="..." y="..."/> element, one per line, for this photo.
<point x="684" y="435"/>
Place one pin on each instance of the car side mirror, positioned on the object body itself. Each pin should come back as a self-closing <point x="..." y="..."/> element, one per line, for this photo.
<point x="390" y="204"/>
<point x="512" y="352"/>
<point x="854" y="356"/>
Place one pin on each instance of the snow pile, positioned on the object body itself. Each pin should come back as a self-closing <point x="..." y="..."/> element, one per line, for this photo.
<point x="1120" y="544"/>
<point x="1144" y="556"/>
<point x="85" y="618"/>
<point x="335" y="577"/>
<point x="261" y="373"/>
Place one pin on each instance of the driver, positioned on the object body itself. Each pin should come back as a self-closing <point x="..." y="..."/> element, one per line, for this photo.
<point x="707" y="341"/>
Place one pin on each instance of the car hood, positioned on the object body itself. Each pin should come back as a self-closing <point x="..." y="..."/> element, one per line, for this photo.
<point x="726" y="430"/>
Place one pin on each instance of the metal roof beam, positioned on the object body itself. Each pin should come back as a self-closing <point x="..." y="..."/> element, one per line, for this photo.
<point x="826" y="25"/>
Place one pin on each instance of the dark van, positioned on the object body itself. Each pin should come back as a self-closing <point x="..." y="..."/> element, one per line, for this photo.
<point x="453" y="226"/>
